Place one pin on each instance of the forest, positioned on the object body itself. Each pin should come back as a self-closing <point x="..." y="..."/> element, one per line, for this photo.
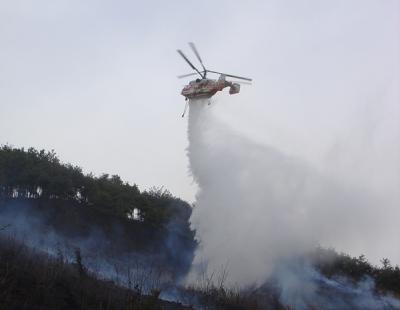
<point x="33" y="174"/>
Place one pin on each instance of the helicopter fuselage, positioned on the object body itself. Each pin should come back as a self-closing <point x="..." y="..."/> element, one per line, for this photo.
<point x="206" y="88"/>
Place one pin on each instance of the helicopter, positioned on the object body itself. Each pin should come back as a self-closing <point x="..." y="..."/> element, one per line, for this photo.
<point x="204" y="87"/>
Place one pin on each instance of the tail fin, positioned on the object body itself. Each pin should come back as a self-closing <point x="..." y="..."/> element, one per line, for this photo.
<point x="234" y="89"/>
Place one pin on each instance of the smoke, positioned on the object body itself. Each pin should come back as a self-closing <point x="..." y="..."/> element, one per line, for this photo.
<point x="302" y="287"/>
<point x="128" y="254"/>
<point x="257" y="208"/>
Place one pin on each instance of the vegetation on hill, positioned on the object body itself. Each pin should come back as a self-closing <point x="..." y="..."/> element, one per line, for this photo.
<point x="40" y="197"/>
<point x="333" y="264"/>
<point x="33" y="174"/>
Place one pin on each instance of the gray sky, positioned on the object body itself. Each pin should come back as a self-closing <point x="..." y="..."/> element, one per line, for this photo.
<point x="96" y="81"/>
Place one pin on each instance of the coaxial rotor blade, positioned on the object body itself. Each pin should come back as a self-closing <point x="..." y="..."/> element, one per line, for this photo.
<point x="188" y="61"/>
<point x="186" y="75"/>
<point x="194" y="49"/>
<point x="230" y="75"/>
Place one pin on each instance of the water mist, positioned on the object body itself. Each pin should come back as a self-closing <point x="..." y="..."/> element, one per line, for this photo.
<point x="258" y="210"/>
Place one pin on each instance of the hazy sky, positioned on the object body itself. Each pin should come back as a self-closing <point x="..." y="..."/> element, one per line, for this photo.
<point x="96" y="81"/>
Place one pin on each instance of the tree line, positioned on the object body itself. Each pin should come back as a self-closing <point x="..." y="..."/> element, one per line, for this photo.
<point x="39" y="174"/>
<point x="332" y="263"/>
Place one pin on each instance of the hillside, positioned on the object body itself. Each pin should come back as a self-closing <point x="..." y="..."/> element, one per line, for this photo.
<point x="70" y="240"/>
<point x="31" y="280"/>
<point x="123" y="234"/>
